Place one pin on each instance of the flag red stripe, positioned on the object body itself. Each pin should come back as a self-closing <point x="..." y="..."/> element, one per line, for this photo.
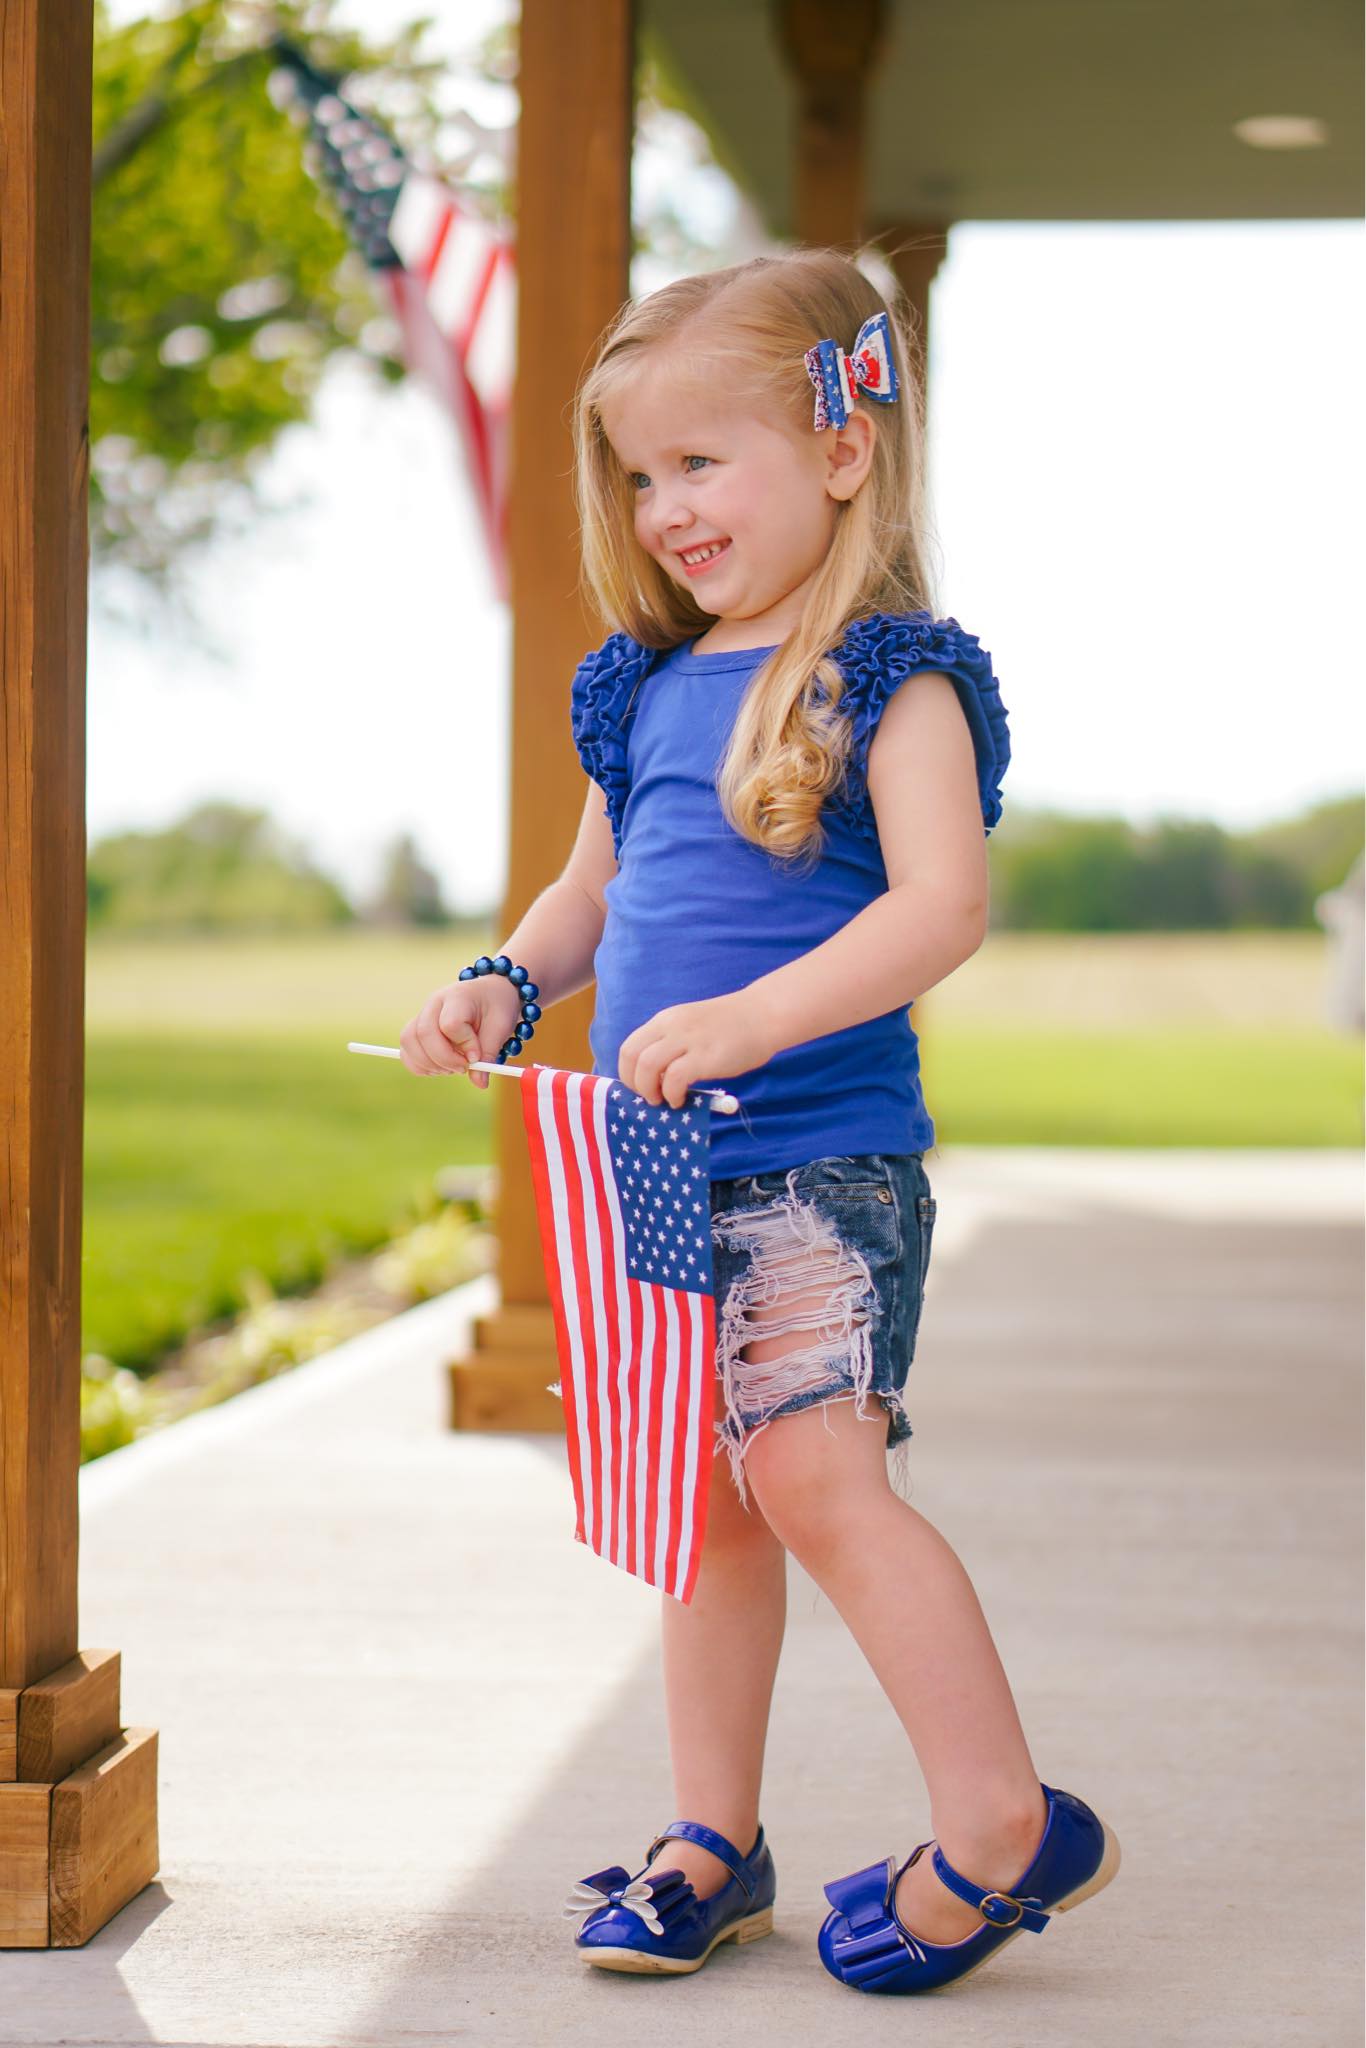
<point x="572" y="1268"/>
<point x="592" y="1138"/>
<point x="616" y="1314"/>
<point x="706" y="1446"/>
<point x="426" y="269"/>
<point x="477" y="297"/>
<point x="583" y="1292"/>
<point x="678" y="1410"/>
<point x="659" y="1365"/>
<point x="545" y="1205"/>
<point x="648" y="1302"/>
<point x="632" y="1444"/>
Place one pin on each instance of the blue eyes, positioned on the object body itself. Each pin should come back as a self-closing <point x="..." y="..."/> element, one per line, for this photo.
<point x="640" y="480"/>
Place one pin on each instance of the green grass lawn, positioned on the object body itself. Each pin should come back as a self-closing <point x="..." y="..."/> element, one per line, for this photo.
<point x="1155" y="1087"/>
<point x="228" y="1130"/>
<point x="207" y="1157"/>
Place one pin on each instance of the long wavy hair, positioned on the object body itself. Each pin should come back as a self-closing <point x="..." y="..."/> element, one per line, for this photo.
<point x="747" y="330"/>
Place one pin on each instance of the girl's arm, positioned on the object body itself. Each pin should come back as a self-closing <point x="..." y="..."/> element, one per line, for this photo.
<point x="922" y="781"/>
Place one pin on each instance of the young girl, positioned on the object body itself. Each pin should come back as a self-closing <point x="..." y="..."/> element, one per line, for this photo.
<point x="793" y="767"/>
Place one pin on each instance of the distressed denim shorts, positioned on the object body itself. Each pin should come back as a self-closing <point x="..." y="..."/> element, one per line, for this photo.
<point x="853" y="1230"/>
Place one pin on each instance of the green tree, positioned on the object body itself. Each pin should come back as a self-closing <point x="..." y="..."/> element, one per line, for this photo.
<point x="1319" y="846"/>
<point x="1060" y="873"/>
<point x="221" y="280"/>
<point x="223" y="867"/>
<point x="1056" y="872"/>
<point x="409" y="892"/>
<point x="1181" y="873"/>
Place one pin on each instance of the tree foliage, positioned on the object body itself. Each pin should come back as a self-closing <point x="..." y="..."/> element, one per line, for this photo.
<point x="1055" y="872"/>
<point x="228" y="867"/>
<point x="223" y="867"/>
<point x="221" y="282"/>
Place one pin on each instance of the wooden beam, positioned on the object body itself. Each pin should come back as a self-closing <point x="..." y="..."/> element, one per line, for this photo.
<point x="576" y="81"/>
<point x="45" y="55"/>
<point x="831" y="50"/>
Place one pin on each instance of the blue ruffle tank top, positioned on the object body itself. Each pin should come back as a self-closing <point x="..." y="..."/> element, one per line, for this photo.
<point x="696" y="911"/>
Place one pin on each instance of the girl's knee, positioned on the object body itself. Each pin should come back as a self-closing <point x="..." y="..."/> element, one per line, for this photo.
<point x="811" y="1472"/>
<point x="733" y="1524"/>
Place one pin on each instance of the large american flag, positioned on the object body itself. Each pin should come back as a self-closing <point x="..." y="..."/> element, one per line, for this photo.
<point x="623" y="1192"/>
<point x="448" y="274"/>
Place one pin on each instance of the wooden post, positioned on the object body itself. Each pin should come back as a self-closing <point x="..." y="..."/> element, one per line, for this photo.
<point x="56" y="1708"/>
<point x="576" y="78"/>
<point x="44" y="457"/>
<point x="831" y="50"/>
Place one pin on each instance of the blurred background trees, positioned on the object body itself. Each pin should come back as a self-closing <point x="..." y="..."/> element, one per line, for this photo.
<point x="409" y="892"/>
<point x="1054" y="871"/>
<point x="227" y="867"/>
<point x="223" y="867"/>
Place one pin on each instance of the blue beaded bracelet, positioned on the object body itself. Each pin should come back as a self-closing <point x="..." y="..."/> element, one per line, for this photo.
<point x="526" y="989"/>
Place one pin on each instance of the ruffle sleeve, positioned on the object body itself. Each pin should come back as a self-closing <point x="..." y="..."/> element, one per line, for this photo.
<point x="601" y="705"/>
<point x="876" y="656"/>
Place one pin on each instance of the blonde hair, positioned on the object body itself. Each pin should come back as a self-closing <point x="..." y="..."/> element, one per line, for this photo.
<point x="748" y="329"/>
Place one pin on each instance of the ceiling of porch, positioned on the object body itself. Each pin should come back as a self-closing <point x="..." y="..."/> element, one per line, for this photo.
<point x="1048" y="109"/>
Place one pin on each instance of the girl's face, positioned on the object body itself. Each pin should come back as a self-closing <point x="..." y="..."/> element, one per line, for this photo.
<point x="736" y="507"/>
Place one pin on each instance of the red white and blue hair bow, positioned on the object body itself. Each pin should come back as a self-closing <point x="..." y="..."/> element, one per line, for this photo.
<point x="839" y="378"/>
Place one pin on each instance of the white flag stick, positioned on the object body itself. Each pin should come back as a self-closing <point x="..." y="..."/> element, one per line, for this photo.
<point x="720" y="1099"/>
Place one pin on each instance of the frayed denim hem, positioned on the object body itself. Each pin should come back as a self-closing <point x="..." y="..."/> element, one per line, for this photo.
<point x="797" y="1250"/>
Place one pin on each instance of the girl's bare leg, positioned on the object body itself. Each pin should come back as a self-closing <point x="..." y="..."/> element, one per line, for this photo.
<point x="820" y="1478"/>
<point x="720" y="1656"/>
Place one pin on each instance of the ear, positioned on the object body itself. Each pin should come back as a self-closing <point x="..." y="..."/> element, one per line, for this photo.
<point x="849" y="454"/>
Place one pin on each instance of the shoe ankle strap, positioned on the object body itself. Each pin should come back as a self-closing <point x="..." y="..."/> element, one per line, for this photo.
<point x="1002" y="1909"/>
<point x="707" y="1838"/>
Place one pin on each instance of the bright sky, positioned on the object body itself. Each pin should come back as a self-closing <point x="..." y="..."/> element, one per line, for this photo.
<point x="1145" y="459"/>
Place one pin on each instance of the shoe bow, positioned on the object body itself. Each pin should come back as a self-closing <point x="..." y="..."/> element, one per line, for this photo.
<point x="637" y="1897"/>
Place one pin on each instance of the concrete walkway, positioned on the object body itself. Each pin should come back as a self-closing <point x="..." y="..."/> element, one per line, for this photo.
<point x="401" y="1710"/>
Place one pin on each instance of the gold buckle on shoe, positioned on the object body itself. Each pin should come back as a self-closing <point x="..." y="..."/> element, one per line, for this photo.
<point x="1006" y="1900"/>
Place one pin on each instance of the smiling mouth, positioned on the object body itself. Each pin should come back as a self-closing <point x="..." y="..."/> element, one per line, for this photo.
<point x="697" y="559"/>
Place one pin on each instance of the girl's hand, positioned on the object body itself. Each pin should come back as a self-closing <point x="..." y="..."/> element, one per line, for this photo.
<point x="466" y="1020"/>
<point x="663" y="1057"/>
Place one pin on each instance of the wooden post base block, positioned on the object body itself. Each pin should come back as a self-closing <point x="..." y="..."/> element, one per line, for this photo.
<point x="9" y="1737"/>
<point x="68" y="1716"/>
<point x="72" y="1854"/>
<point x="505" y="1392"/>
<point x="24" y="1866"/>
<point x="503" y="1383"/>
<point x="104" y="1837"/>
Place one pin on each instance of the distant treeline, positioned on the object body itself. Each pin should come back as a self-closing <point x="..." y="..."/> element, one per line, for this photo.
<point x="1053" y="872"/>
<point x="224" y="867"/>
<point x="227" y="868"/>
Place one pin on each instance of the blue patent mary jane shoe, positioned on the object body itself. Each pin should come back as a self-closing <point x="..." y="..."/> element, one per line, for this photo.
<point x="658" y="1923"/>
<point x="864" y="1943"/>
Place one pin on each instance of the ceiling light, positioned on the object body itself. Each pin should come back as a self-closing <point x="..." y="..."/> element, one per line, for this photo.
<point x="1282" y="131"/>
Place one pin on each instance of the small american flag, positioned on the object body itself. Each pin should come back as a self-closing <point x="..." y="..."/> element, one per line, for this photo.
<point x="623" y="1199"/>
<point x="449" y="275"/>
